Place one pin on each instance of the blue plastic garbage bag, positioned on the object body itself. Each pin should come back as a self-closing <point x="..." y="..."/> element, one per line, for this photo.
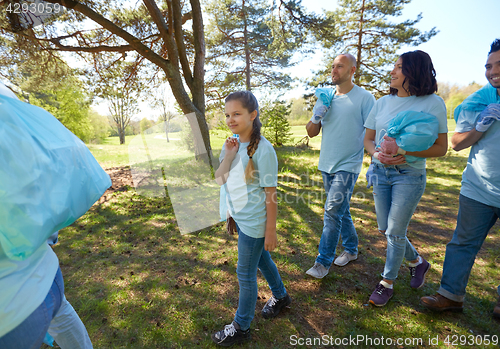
<point x="413" y="131"/>
<point x="325" y="95"/>
<point x="48" y="177"/>
<point x="478" y="100"/>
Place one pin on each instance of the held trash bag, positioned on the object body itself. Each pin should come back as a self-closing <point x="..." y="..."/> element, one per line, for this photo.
<point x="48" y="177"/>
<point x="325" y="95"/>
<point x="414" y="131"/>
<point x="479" y="100"/>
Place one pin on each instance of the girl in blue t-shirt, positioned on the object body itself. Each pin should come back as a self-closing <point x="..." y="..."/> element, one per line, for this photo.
<point x="249" y="170"/>
<point x="398" y="183"/>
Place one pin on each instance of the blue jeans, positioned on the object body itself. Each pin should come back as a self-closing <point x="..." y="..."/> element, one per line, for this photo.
<point x="397" y="190"/>
<point x="251" y="254"/>
<point x="473" y="224"/>
<point x="31" y="332"/>
<point x="337" y="218"/>
<point x="68" y="330"/>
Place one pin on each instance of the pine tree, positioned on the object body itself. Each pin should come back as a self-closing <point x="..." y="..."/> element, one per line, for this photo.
<point x="363" y="28"/>
<point x="276" y="127"/>
<point x="249" y="42"/>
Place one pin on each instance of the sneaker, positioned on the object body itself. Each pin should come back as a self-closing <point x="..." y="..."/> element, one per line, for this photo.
<point x="318" y="271"/>
<point x="345" y="258"/>
<point x="381" y="295"/>
<point x="441" y="303"/>
<point x="231" y="334"/>
<point x="274" y="305"/>
<point x="496" y="310"/>
<point x="418" y="274"/>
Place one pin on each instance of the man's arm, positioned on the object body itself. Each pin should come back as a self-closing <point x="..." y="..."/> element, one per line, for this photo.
<point x="313" y="129"/>
<point x="463" y="140"/>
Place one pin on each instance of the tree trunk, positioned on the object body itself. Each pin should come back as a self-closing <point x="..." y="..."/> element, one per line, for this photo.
<point x="166" y="130"/>
<point x="247" y="51"/>
<point x="357" y="76"/>
<point x="121" y="132"/>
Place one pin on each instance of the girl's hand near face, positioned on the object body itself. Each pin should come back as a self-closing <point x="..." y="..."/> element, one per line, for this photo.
<point x="222" y="172"/>
<point x="232" y="147"/>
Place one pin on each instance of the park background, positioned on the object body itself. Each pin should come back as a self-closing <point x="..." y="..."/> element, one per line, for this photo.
<point x="137" y="282"/>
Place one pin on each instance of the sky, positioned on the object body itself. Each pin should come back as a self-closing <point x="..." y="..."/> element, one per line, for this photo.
<point x="459" y="51"/>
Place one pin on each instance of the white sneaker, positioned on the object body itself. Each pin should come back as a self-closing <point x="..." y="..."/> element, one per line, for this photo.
<point x="345" y="258"/>
<point x="318" y="271"/>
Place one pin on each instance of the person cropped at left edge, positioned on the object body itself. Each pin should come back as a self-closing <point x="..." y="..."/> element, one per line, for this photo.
<point x="38" y="197"/>
<point x="249" y="171"/>
<point x="399" y="176"/>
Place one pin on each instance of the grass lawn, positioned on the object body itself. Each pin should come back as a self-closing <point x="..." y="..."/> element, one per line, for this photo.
<point x="137" y="282"/>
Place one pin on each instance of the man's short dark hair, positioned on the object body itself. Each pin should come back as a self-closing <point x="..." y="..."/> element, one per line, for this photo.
<point x="419" y="72"/>
<point x="495" y="46"/>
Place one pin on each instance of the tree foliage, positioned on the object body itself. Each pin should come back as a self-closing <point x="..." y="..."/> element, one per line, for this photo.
<point x="122" y="106"/>
<point x="276" y="127"/>
<point x="247" y="45"/>
<point x="100" y="126"/>
<point x="70" y="105"/>
<point x="363" y="28"/>
<point x="251" y="42"/>
<point x="150" y="34"/>
<point x="299" y="111"/>
<point x="454" y="95"/>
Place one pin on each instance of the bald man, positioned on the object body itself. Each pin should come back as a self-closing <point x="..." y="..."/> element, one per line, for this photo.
<point x="340" y="118"/>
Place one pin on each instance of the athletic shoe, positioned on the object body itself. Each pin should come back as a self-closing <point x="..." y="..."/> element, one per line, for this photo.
<point x="231" y="334"/>
<point x="274" y="305"/>
<point x="318" y="271"/>
<point x="345" y="258"/>
<point x="418" y="274"/>
<point x="381" y="295"/>
<point x="438" y="302"/>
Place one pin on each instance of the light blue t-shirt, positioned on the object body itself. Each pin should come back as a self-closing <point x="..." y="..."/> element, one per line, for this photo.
<point x="343" y="131"/>
<point x="387" y="107"/>
<point x="247" y="202"/>
<point x="481" y="177"/>
<point x="24" y="285"/>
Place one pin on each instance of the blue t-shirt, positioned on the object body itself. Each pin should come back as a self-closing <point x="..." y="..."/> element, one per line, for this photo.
<point x="481" y="177"/>
<point x="343" y="131"/>
<point x="247" y="202"/>
<point x="24" y="285"/>
<point x="387" y="107"/>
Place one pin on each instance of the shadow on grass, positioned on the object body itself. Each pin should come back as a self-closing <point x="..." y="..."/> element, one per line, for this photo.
<point x="138" y="283"/>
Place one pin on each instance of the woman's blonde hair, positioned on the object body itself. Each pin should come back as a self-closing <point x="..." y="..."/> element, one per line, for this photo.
<point x="249" y="102"/>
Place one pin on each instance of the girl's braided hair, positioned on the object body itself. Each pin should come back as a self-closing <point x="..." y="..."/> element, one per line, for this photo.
<point x="249" y="102"/>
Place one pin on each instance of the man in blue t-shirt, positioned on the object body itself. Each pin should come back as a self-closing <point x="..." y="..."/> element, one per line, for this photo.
<point x="340" y="113"/>
<point x="479" y="205"/>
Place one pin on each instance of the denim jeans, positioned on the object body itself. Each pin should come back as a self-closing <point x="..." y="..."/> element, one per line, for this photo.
<point x="473" y="224"/>
<point x="251" y="255"/>
<point x="337" y="218"/>
<point x="31" y="332"/>
<point x="397" y="190"/>
<point x="68" y="330"/>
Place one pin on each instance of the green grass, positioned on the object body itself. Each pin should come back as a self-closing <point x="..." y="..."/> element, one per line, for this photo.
<point x="137" y="282"/>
